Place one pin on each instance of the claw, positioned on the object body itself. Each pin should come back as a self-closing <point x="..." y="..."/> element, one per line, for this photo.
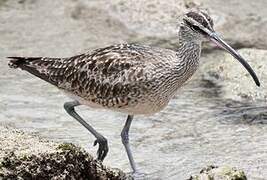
<point x="95" y="143"/>
<point x="102" y="148"/>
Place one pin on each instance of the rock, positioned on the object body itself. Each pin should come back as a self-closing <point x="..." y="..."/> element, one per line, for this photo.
<point x="26" y="156"/>
<point x="223" y="70"/>
<point x="219" y="173"/>
<point x="20" y="143"/>
<point x="155" y="21"/>
<point x="90" y="24"/>
<point x="2" y="2"/>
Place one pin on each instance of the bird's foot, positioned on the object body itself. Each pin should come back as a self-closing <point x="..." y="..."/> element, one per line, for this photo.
<point x="102" y="148"/>
<point x="137" y="175"/>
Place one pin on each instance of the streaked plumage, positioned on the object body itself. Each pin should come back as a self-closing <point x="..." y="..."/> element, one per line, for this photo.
<point x="129" y="78"/>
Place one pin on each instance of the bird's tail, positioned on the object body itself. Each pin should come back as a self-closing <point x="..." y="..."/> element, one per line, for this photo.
<point x="20" y="62"/>
<point x="38" y="66"/>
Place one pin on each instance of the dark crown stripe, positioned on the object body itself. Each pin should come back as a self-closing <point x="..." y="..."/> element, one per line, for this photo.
<point x="202" y="18"/>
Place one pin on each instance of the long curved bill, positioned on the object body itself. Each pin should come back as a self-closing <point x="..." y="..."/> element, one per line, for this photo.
<point x="217" y="40"/>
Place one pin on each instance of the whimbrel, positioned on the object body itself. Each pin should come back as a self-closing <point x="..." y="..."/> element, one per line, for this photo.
<point x="129" y="78"/>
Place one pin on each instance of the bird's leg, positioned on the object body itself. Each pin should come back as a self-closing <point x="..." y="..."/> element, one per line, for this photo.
<point x="125" y="141"/>
<point x="101" y="140"/>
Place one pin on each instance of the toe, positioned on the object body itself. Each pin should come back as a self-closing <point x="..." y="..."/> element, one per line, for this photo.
<point x="102" y="149"/>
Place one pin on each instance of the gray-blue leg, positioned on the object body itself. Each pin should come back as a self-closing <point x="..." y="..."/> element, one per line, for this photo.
<point x="100" y="140"/>
<point x="125" y="141"/>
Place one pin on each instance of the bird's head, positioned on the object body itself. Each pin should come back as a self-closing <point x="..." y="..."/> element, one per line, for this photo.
<point x="197" y="25"/>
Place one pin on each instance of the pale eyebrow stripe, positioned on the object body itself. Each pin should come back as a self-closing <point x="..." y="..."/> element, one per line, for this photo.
<point x="205" y="19"/>
<point x="192" y="20"/>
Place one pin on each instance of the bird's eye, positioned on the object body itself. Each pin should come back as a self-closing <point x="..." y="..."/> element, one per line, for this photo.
<point x="194" y="27"/>
<point x="197" y="29"/>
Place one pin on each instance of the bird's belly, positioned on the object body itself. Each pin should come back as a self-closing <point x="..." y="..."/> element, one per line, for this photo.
<point x="144" y="106"/>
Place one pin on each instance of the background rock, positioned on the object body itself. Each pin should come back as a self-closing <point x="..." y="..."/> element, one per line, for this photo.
<point x="234" y="80"/>
<point x="241" y="23"/>
<point x="150" y="22"/>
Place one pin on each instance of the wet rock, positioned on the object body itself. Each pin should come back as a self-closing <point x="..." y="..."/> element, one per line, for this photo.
<point x="219" y="173"/>
<point x="244" y="113"/>
<point x="46" y="160"/>
<point x="235" y="82"/>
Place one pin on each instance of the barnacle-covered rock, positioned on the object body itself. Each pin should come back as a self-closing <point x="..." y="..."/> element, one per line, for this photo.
<point x="219" y="173"/>
<point x="53" y="161"/>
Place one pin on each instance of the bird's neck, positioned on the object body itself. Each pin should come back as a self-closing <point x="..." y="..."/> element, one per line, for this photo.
<point x="187" y="57"/>
<point x="188" y="51"/>
<point x="189" y="44"/>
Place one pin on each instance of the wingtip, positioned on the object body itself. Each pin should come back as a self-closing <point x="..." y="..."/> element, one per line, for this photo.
<point x="12" y="64"/>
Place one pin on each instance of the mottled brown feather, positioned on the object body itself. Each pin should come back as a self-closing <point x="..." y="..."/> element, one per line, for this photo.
<point x="106" y="73"/>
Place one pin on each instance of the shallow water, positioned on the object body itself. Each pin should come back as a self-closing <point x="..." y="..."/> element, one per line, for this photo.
<point x="197" y="129"/>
